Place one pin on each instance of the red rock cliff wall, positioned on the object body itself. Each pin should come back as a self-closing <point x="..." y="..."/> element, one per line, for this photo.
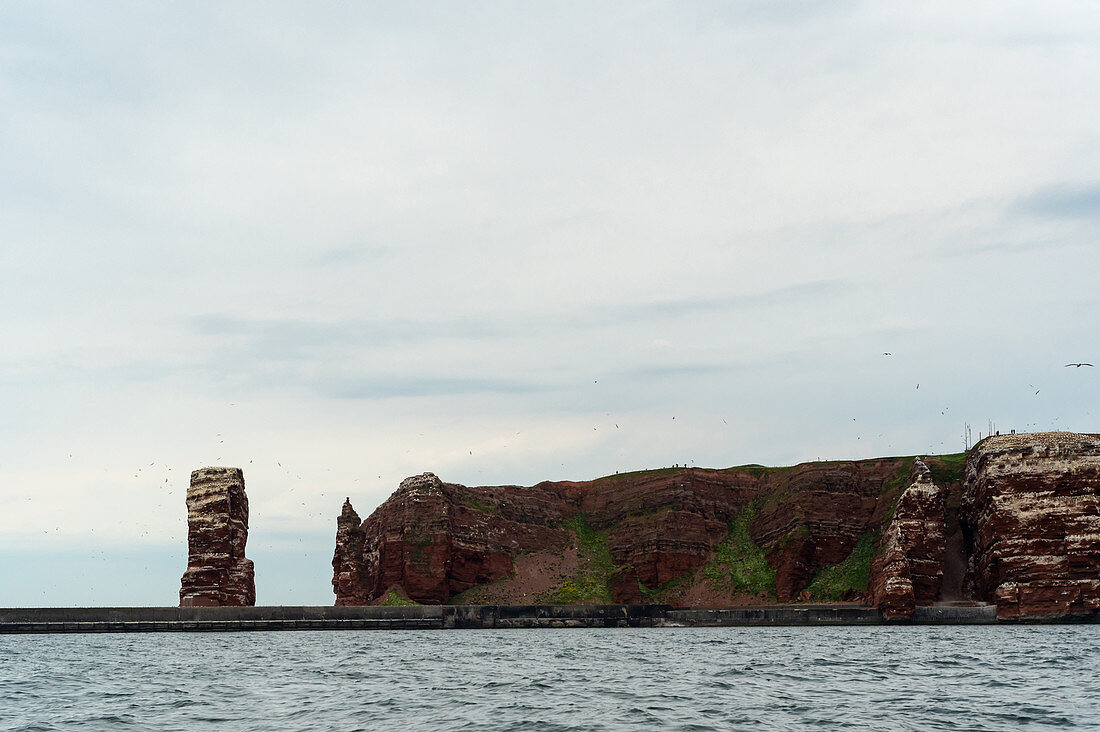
<point x="1031" y="513"/>
<point x="431" y="540"/>
<point x="908" y="569"/>
<point x="217" y="529"/>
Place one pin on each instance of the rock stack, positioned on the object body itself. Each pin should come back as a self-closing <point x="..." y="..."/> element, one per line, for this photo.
<point x="217" y="529"/>
<point x="908" y="569"/>
<point x="347" y="580"/>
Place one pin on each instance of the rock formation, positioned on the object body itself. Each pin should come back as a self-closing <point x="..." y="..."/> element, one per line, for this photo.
<point x="908" y="569"/>
<point x="1016" y="523"/>
<point x="431" y="540"/>
<point x="1031" y="514"/>
<point x="347" y="579"/>
<point x="217" y="529"/>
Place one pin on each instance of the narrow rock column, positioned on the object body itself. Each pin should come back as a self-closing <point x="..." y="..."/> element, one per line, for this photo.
<point x="909" y="568"/>
<point x="217" y="529"/>
<point x="347" y="560"/>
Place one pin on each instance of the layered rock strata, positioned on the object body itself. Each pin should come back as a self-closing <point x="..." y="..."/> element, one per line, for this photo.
<point x="217" y="530"/>
<point x="347" y="566"/>
<point x="1016" y="523"/>
<point x="1031" y="515"/>
<point x="431" y="540"/>
<point x="908" y="568"/>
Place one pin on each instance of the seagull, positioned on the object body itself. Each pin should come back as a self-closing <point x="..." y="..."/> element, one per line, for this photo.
<point x="1078" y="365"/>
<point x="887" y="353"/>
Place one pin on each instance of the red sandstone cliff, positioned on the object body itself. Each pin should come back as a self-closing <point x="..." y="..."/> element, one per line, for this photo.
<point x="627" y="538"/>
<point x="889" y="531"/>
<point x="1031" y="513"/>
<point x="217" y="529"/>
<point x="908" y="569"/>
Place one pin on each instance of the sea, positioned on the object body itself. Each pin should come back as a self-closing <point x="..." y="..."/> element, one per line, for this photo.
<point x="862" y="678"/>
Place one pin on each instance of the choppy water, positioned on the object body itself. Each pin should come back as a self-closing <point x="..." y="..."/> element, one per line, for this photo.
<point x="949" y="678"/>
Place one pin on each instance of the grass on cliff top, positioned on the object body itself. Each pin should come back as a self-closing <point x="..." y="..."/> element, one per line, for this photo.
<point x="590" y="584"/>
<point x="947" y="468"/>
<point x="636" y="473"/>
<point x="739" y="565"/>
<point x="833" y="580"/>
<point x="395" y="600"/>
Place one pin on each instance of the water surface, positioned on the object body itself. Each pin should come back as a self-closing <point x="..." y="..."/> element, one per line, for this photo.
<point x="874" y="678"/>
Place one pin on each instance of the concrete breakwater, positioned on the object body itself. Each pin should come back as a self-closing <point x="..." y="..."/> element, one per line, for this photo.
<point x="199" y="619"/>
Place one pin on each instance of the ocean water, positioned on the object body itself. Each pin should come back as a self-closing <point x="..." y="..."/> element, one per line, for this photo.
<point x="875" y="678"/>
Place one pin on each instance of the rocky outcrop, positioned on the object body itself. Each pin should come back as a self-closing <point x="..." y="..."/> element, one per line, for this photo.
<point x="814" y="514"/>
<point x="431" y="540"/>
<point x="1016" y="523"/>
<point x="1031" y="515"/>
<point x="347" y="566"/>
<point x="217" y="529"/>
<point x="908" y="569"/>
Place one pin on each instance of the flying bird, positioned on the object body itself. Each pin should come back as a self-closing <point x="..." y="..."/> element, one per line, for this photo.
<point x="1078" y="365"/>
<point x="887" y="354"/>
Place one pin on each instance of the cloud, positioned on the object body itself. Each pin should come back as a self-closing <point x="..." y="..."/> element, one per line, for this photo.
<point x="390" y="387"/>
<point x="286" y="337"/>
<point x="1062" y="201"/>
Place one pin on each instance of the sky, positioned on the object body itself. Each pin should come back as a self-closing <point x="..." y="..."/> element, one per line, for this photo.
<point x="338" y="244"/>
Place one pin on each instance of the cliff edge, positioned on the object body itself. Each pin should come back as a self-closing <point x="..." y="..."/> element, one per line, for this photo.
<point x="1014" y="522"/>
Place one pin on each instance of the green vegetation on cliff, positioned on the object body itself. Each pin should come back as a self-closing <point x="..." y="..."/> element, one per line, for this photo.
<point x="834" y="580"/>
<point x="947" y="468"/>
<point x="739" y="566"/>
<point x="395" y="600"/>
<point x="591" y="583"/>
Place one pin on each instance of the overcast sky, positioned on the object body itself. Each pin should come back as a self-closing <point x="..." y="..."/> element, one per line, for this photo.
<point x="339" y="244"/>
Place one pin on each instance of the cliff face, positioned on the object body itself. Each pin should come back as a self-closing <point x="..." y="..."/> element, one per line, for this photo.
<point x="666" y="535"/>
<point x="908" y="569"/>
<point x="1017" y="524"/>
<point x="1031" y="515"/>
<point x="217" y="529"/>
<point x="432" y="540"/>
<point x="347" y="566"/>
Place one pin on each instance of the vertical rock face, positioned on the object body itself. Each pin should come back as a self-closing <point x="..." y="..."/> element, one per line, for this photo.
<point x="431" y="540"/>
<point x="656" y="531"/>
<point x="217" y="529"/>
<point x="347" y="580"/>
<point x="908" y="569"/>
<point x="1031" y="515"/>
<point x="1016" y="522"/>
<point x="822" y="511"/>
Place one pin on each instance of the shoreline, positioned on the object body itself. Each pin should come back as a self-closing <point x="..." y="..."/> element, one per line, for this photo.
<point x="446" y="617"/>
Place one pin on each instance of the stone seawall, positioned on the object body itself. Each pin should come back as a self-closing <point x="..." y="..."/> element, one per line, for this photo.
<point x="426" y="617"/>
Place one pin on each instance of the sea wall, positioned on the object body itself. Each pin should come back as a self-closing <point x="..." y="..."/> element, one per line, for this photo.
<point x="442" y="617"/>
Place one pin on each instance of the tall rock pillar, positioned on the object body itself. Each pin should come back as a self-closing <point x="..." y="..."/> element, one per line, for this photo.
<point x="217" y="529"/>
<point x="908" y="570"/>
